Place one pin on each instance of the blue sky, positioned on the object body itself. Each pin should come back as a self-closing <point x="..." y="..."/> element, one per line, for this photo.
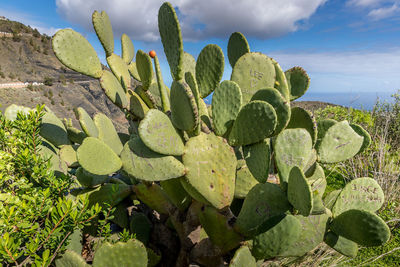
<point x="346" y="46"/>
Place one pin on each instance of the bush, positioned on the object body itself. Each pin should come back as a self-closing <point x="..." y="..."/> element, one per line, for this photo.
<point x="48" y="81"/>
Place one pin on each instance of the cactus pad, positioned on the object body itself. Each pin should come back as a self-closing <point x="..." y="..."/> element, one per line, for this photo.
<point x="226" y="103"/>
<point x="341" y="244"/>
<point x="128" y="51"/>
<point x="154" y="197"/>
<point x="298" y="82"/>
<point x="120" y="70"/>
<point x="53" y="130"/>
<point x="116" y="255"/>
<point x="244" y="182"/>
<point x="107" y="132"/>
<point x="257" y="158"/>
<point x="75" y="52"/>
<point x="361" y="193"/>
<point x="144" y="68"/>
<point x="141" y="226"/>
<point x="237" y="47"/>
<point x="113" y="89"/>
<point x="12" y="110"/>
<point x="262" y="202"/>
<point x="312" y="233"/>
<point x="339" y="143"/>
<point x="209" y="69"/>
<point x="242" y="258"/>
<point x="363" y="227"/>
<point x="292" y="148"/>
<point x="275" y="240"/>
<point x="211" y="167"/>
<point x="98" y="158"/>
<point x="171" y="38"/>
<point x="362" y="132"/>
<point x="102" y="26"/>
<point x="137" y="105"/>
<point x="133" y="70"/>
<point x="142" y="163"/>
<point x="281" y="83"/>
<point x="255" y="122"/>
<point x="184" y="112"/>
<point x="299" y="192"/>
<point x="68" y="154"/>
<point x="281" y="106"/>
<point x="71" y="259"/>
<point x="253" y="71"/>
<point x="158" y="134"/>
<point x="301" y="118"/>
<point x="87" y="123"/>
<point x="88" y="179"/>
<point x="176" y="193"/>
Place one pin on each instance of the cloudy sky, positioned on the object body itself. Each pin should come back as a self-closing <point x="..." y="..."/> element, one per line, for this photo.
<point x="345" y="45"/>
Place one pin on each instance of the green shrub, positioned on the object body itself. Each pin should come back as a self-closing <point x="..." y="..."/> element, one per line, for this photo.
<point x="48" y="81"/>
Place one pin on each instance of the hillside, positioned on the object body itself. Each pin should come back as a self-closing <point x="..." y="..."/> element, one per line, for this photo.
<point x="26" y="56"/>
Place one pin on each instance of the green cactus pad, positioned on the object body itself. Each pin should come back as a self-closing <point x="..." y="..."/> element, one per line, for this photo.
<point x="253" y="71"/>
<point x="363" y="227"/>
<point x="226" y="103"/>
<point x="362" y="132"/>
<point x="361" y="193"/>
<point x="301" y="118"/>
<point x="107" y="132"/>
<point x="141" y="226"/>
<point x="53" y="130"/>
<point x="113" y="89"/>
<point x="342" y="245"/>
<point x="281" y="83"/>
<point x="75" y="52"/>
<point x="218" y="230"/>
<point x="74" y="241"/>
<point x="68" y="154"/>
<point x="292" y="148"/>
<point x="71" y="259"/>
<point x="299" y="192"/>
<point x="154" y="90"/>
<point x="298" y="82"/>
<point x="309" y="167"/>
<point x="211" y="168"/>
<point x="193" y="192"/>
<point x="154" y="197"/>
<point x="257" y="158"/>
<point x="75" y="135"/>
<point x="102" y="26"/>
<point x="191" y="81"/>
<point x="242" y="258"/>
<point x="158" y="134"/>
<point x="153" y="258"/>
<point x="133" y="71"/>
<point x="312" y="233"/>
<point x="339" y="143"/>
<point x="330" y="198"/>
<point x="128" y="51"/>
<point x="12" y="110"/>
<point x="161" y="93"/>
<point x="317" y="179"/>
<point x="184" y="112"/>
<point x="262" y="202"/>
<point x="255" y="122"/>
<point x="50" y="153"/>
<point x="280" y="104"/>
<point x="237" y="47"/>
<point x="87" y="123"/>
<point x="281" y="236"/>
<point x="111" y="194"/>
<point x="171" y="38"/>
<point x="116" y="255"/>
<point x="209" y="69"/>
<point x="98" y="158"/>
<point x="145" y="164"/>
<point x="120" y="70"/>
<point x="322" y="127"/>
<point x="176" y="193"/>
<point x="88" y="179"/>
<point x="244" y="182"/>
<point x="145" y="68"/>
<point x="189" y="64"/>
<point x="146" y="96"/>
<point x="137" y="105"/>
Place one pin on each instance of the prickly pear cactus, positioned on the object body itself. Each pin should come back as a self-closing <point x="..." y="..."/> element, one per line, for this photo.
<point x="249" y="154"/>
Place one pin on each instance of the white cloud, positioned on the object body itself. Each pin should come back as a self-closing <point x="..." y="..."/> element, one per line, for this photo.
<point x="365" y="3"/>
<point x="137" y="18"/>
<point x="384" y="12"/>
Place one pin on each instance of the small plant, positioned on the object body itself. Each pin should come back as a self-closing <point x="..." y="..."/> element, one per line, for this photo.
<point x="48" y="81"/>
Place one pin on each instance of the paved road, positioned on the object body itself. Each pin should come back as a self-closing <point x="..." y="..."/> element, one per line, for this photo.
<point x="23" y="85"/>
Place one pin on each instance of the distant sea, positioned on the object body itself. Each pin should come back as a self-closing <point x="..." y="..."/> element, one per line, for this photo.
<point x="359" y="100"/>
